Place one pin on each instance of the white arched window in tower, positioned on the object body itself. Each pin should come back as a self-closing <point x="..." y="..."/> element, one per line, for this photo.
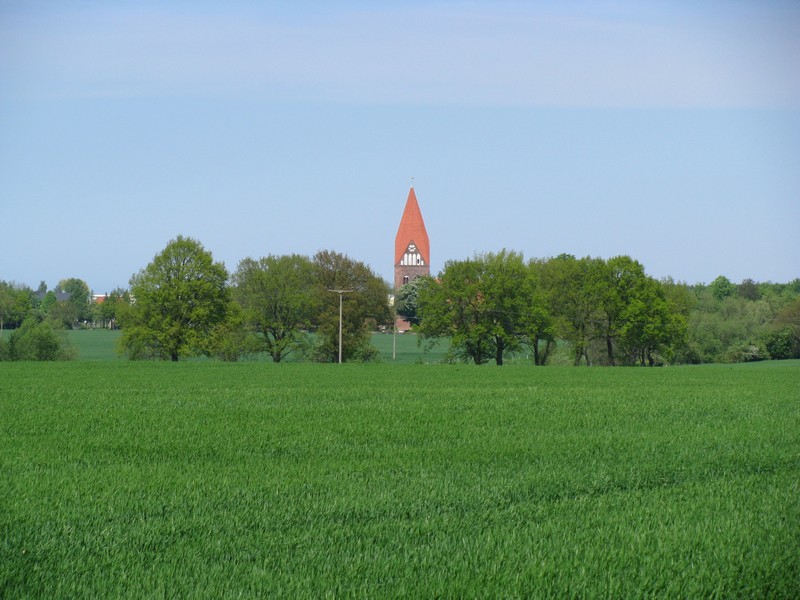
<point x="412" y="257"/>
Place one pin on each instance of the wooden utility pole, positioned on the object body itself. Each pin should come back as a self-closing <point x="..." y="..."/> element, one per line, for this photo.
<point x="341" y="293"/>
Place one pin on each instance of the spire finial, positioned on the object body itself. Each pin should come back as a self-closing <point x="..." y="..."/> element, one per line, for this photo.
<point x="412" y="182"/>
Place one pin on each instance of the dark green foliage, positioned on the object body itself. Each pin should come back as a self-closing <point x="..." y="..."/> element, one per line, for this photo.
<point x="609" y="311"/>
<point x="748" y="290"/>
<point x="36" y="339"/>
<point x="276" y="294"/>
<point x="789" y="317"/>
<point x="230" y="340"/>
<point x="78" y="306"/>
<point x="577" y="291"/>
<point x="406" y="301"/>
<point x="782" y="343"/>
<point x="365" y="307"/>
<point x="16" y="303"/>
<point x="540" y="326"/>
<point x="48" y="301"/>
<point x="453" y="307"/>
<point x="481" y="304"/>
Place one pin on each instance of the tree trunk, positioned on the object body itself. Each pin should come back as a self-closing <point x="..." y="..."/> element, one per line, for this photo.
<point x="610" y="347"/>
<point x="173" y="357"/>
<point x="499" y="354"/>
<point x="548" y="346"/>
<point x="535" y="347"/>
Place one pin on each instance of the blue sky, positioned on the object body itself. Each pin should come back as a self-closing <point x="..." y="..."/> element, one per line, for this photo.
<point x="668" y="131"/>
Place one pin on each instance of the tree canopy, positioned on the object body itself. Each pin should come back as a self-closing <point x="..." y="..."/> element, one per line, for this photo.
<point x="482" y="304"/>
<point x="79" y="301"/>
<point x="177" y="300"/>
<point x="276" y="294"/>
<point x="496" y="303"/>
<point x="590" y="311"/>
<point x="364" y="308"/>
<point x="16" y="303"/>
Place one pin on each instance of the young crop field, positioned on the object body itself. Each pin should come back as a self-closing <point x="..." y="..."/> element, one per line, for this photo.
<point x="100" y="344"/>
<point x="150" y="479"/>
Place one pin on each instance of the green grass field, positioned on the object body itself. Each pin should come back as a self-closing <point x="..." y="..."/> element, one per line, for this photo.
<point x="297" y="480"/>
<point x="100" y="344"/>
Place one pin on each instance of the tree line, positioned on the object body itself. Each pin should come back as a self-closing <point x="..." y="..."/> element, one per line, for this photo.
<point x="185" y="304"/>
<point x="596" y="311"/>
<point x="606" y="312"/>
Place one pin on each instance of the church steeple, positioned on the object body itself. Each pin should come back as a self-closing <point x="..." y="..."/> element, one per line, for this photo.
<point x="412" y="254"/>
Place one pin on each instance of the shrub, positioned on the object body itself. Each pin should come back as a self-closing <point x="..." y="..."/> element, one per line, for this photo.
<point x="326" y="350"/>
<point x="38" y="340"/>
<point x="782" y="343"/>
<point x="744" y="353"/>
<point x="230" y="342"/>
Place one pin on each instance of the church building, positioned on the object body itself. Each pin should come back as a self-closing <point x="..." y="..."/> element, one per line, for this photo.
<point x="412" y="253"/>
<point x="412" y="250"/>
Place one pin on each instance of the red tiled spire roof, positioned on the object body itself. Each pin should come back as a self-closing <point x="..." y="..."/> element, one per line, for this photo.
<point x="412" y="229"/>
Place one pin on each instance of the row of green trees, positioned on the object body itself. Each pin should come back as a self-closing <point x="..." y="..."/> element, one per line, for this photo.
<point x="182" y="305"/>
<point x="67" y="305"/>
<point x="607" y="311"/>
<point x="38" y="319"/>
<point x="599" y="311"/>
<point x="743" y="322"/>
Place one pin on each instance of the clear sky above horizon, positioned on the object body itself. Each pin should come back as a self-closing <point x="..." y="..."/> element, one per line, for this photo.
<point x="667" y="131"/>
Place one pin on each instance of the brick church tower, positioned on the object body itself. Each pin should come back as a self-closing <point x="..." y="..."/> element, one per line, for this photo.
<point x="412" y="254"/>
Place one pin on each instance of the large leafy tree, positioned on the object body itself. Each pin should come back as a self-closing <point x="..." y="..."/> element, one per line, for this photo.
<point x="507" y="293"/>
<point x="16" y="302"/>
<point x="577" y="289"/>
<point x="364" y="307"/>
<point x="482" y="304"/>
<point x="177" y="300"/>
<point x="453" y="307"/>
<point x="79" y="301"/>
<point x="622" y="282"/>
<point x="651" y="325"/>
<point x="276" y="294"/>
<point x="540" y="322"/>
